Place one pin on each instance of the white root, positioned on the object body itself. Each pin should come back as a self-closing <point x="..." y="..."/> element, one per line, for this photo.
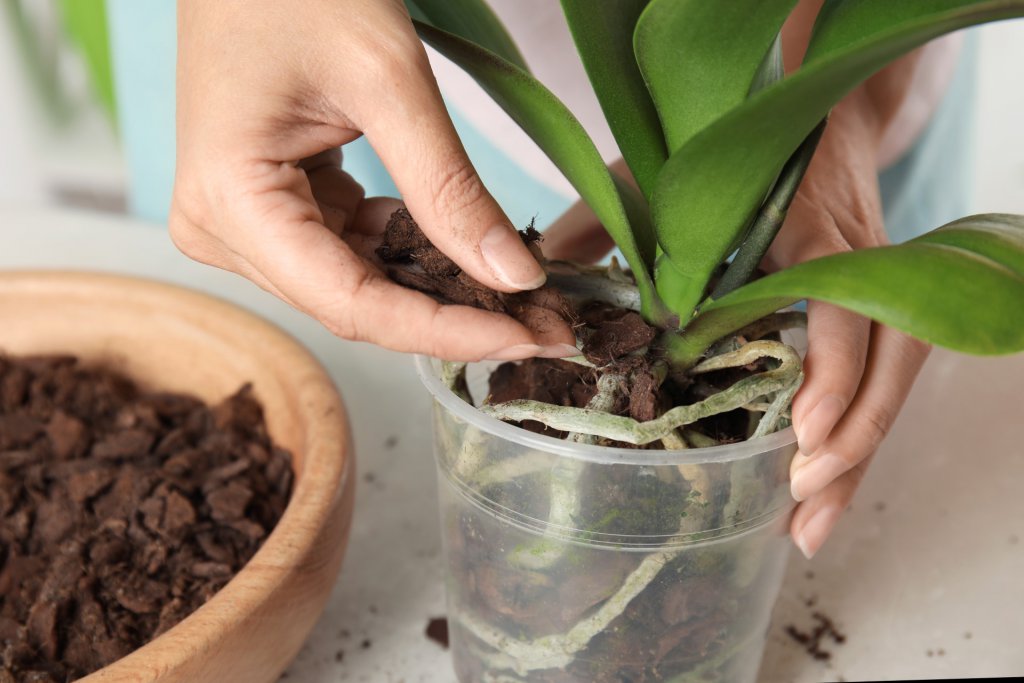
<point x="622" y="428"/>
<point x="564" y="495"/>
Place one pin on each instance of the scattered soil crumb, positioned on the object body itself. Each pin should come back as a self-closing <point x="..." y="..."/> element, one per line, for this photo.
<point x="812" y="641"/>
<point x="339" y="656"/>
<point x="968" y="635"/>
<point x="811" y="601"/>
<point x="880" y="506"/>
<point x="930" y="653"/>
<point x="373" y="609"/>
<point x="344" y="633"/>
<point x="809" y="575"/>
<point x="391" y="442"/>
<point x="366" y="644"/>
<point x="437" y="631"/>
<point x="941" y="652"/>
<point x="369" y="477"/>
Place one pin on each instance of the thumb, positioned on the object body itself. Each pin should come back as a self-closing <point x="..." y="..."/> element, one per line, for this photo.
<point x="416" y="141"/>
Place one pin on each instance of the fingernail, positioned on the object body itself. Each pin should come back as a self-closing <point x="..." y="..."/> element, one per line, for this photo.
<point x="815" y="428"/>
<point x="497" y="247"/>
<point x="517" y="352"/>
<point x="816" y="530"/>
<point x="821" y="471"/>
<point x="559" y="351"/>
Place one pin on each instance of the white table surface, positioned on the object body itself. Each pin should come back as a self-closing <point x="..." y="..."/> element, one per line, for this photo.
<point x="925" y="575"/>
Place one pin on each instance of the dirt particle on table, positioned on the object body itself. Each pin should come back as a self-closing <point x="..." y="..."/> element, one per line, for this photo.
<point x="390" y="442"/>
<point x="930" y="653"/>
<point x="808" y="575"/>
<point x="437" y="631"/>
<point x="880" y="506"/>
<point x="812" y="641"/>
<point x="366" y="644"/>
<point x="370" y="477"/>
<point x="121" y="511"/>
<point x="339" y="656"/>
<point x="968" y="635"/>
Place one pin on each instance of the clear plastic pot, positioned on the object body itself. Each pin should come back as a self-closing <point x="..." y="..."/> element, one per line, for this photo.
<point x="576" y="563"/>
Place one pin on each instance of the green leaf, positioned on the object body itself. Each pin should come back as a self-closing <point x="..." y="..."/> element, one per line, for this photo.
<point x="699" y="58"/>
<point x="472" y="20"/>
<point x="710" y="189"/>
<point x="961" y="286"/>
<point x="553" y="127"/>
<point x="603" y="33"/>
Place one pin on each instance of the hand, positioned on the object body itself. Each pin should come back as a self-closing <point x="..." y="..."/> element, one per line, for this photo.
<point x="268" y="90"/>
<point x="858" y="373"/>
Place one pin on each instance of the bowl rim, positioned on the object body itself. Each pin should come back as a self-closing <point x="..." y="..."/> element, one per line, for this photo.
<point x="326" y="476"/>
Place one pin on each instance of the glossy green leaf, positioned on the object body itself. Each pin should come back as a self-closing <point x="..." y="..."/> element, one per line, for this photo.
<point x="473" y="20"/>
<point x="961" y="286"/>
<point x="699" y="58"/>
<point x="553" y="127"/>
<point x="710" y="189"/>
<point x="603" y="33"/>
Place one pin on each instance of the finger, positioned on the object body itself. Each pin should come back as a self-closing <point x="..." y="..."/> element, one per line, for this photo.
<point x="577" y="235"/>
<point x="816" y="517"/>
<point x="321" y="276"/>
<point x="837" y="349"/>
<point x="364" y="233"/>
<point x="893" y="362"/>
<point x="372" y="216"/>
<point x="337" y="194"/>
<point x="417" y="143"/>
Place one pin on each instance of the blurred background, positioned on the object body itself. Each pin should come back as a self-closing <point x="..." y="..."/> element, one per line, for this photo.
<point x="86" y="107"/>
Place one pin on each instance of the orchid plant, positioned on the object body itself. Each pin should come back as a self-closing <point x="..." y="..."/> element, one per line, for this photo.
<point x="718" y="138"/>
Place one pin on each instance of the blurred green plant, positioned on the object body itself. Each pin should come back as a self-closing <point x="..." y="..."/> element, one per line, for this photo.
<point x="85" y="24"/>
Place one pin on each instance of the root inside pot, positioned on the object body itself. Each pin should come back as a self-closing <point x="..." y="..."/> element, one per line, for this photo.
<point x="121" y="511"/>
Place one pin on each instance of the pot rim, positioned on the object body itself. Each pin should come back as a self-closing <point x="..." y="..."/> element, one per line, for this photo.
<point x="426" y="368"/>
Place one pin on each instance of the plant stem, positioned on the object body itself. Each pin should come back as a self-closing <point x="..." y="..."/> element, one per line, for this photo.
<point x="771" y="216"/>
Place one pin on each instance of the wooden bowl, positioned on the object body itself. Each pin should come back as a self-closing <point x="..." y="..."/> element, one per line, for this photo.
<point x="174" y="339"/>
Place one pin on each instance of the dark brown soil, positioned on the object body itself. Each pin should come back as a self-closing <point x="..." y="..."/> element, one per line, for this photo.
<point x="437" y="631"/>
<point x="415" y="263"/>
<point x="121" y="512"/>
<point x="613" y="339"/>
<point x="813" y="641"/>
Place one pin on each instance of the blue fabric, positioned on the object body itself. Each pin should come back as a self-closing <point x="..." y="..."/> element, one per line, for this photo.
<point x="143" y="49"/>
<point x="931" y="184"/>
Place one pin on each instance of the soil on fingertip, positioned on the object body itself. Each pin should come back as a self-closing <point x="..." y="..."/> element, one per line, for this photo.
<point x="613" y="339"/>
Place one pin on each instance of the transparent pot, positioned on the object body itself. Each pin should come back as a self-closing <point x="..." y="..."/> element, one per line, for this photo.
<point x="576" y="563"/>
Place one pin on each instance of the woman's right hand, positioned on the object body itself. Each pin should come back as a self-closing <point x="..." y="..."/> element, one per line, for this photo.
<point x="268" y="90"/>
